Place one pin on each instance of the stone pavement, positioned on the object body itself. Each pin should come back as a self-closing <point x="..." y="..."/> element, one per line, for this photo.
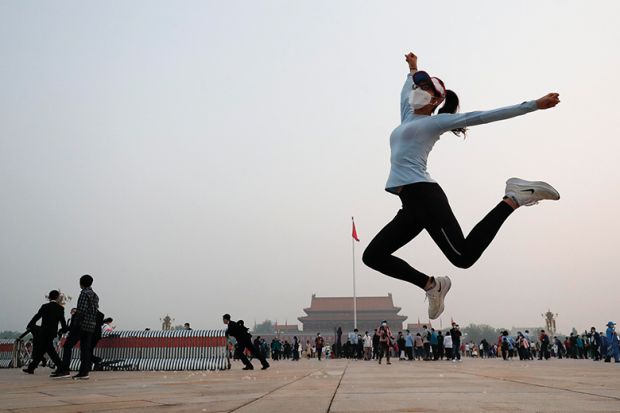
<point x="329" y="386"/>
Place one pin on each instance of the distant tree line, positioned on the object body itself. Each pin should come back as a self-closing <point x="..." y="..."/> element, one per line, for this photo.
<point x="10" y="334"/>
<point x="476" y="332"/>
<point x="266" y="327"/>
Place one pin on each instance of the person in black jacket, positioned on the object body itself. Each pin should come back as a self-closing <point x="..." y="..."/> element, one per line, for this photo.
<point x="50" y="314"/>
<point x="375" y="346"/>
<point x="456" y="334"/>
<point x="244" y="341"/>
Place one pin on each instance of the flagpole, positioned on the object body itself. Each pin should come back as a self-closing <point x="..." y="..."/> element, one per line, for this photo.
<point x="354" y="293"/>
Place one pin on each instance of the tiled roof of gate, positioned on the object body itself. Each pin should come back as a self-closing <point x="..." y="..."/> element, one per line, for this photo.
<point x="344" y="304"/>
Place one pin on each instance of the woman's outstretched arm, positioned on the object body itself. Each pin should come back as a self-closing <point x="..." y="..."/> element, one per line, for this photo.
<point x="446" y="121"/>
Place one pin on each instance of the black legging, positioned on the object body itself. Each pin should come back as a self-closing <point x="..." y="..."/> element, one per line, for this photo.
<point x="425" y="206"/>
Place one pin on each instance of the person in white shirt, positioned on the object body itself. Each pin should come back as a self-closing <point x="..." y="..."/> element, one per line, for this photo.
<point x="447" y="344"/>
<point x="367" y="346"/>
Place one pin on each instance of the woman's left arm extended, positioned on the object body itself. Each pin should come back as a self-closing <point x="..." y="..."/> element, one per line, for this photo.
<point x="446" y="122"/>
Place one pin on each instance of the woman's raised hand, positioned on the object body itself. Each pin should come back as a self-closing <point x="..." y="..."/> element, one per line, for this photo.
<point x="548" y="101"/>
<point x="412" y="61"/>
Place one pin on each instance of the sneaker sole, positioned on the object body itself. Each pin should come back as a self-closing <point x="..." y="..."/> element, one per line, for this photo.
<point x="521" y="184"/>
<point x="443" y="306"/>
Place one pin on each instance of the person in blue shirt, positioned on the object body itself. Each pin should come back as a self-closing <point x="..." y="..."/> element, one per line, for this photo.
<point x="409" y="345"/>
<point x="613" y="347"/>
<point x="424" y="204"/>
<point x="434" y="343"/>
<point x="353" y="339"/>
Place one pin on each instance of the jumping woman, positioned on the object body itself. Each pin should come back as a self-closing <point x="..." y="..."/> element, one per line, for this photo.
<point x="424" y="204"/>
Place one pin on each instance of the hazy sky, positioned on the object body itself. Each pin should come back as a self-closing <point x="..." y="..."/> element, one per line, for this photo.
<point x="206" y="157"/>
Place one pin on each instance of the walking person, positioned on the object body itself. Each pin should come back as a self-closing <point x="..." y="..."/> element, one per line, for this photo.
<point x="456" y="334"/>
<point x="528" y="352"/>
<point x="244" y="342"/>
<point x="367" y="346"/>
<point x="376" y="346"/>
<point x="560" y="346"/>
<point x="83" y="325"/>
<point x="544" y="346"/>
<point x="484" y="348"/>
<point x="276" y="347"/>
<point x="419" y="346"/>
<point x="595" y="344"/>
<point x="613" y="347"/>
<point x="522" y="346"/>
<point x="409" y="345"/>
<point x="424" y="204"/>
<point x="505" y="346"/>
<point x="353" y="340"/>
<point x="426" y="336"/>
<point x="360" y="346"/>
<point x="433" y="341"/>
<point x="43" y="336"/>
<point x="385" y="341"/>
<point x="440" y="348"/>
<point x="580" y="346"/>
<point x="400" y="344"/>
<point x="296" y="346"/>
<point x="318" y="343"/>
<point x="339" y="342"/>
<point x="447" y="344"/>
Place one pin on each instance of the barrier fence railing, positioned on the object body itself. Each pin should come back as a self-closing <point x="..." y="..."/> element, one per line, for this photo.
<point x="7" y="353"/>
<point x="146" y="350"/>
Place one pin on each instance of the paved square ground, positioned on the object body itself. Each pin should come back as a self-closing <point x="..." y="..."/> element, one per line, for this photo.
<point x="329" y="386"/>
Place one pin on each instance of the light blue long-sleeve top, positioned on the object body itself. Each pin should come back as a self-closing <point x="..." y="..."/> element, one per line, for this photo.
<point x="414" y="138"/>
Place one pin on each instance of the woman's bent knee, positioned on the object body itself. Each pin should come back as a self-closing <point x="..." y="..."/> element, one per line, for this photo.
<point x="461" y="262"/>
<point x="371" y="258"/>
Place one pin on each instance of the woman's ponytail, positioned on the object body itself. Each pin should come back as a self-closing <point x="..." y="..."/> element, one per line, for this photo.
<point x="451" y="105"/>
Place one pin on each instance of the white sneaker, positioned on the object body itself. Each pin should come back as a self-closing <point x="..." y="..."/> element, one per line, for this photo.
<point x="436" y="296"/>
<point x="526" y="193"/>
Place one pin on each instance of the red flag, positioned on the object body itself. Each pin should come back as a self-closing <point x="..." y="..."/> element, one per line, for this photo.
<point x="354" y="233"/>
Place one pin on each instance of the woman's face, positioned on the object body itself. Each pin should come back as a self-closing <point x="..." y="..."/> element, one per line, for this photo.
<point x="428" y="87"/>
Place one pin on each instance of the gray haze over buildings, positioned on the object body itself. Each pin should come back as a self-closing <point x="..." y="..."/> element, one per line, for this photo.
<point x="206" y="157"/>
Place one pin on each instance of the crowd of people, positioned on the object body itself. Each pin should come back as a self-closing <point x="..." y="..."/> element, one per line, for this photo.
<point x="87" y="324"/>
<point x="433" y="345"/>
<point x="591" y="344"/>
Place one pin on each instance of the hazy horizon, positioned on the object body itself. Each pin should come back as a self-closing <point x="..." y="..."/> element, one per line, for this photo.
<point x="202" y="158"/>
